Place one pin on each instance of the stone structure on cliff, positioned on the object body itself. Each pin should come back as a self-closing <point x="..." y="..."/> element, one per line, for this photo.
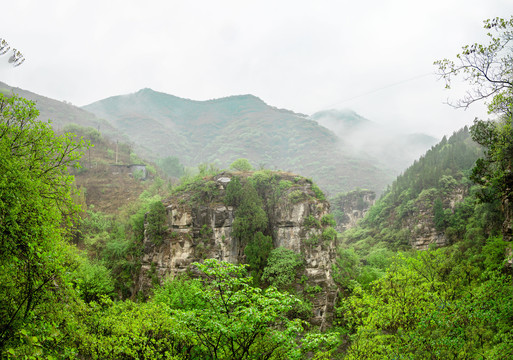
<point x="199" y="226"/>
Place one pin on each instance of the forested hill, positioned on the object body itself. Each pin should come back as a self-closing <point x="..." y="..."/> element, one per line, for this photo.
<point x="222" y="130"/>
<point x="219" y="131"/>
<point x="453" y="299"/>
<point x="432" y="202"/>
<point x="62" y="113"/>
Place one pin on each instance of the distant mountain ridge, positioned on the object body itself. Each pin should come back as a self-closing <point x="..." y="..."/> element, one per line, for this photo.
<point x="62" y="113"/>
<point x="222" y="130"/>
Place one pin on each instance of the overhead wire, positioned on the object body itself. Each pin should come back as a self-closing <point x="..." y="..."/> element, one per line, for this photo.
<point x="379" y="89"/>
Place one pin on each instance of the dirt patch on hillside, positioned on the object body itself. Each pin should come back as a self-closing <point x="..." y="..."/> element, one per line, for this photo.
<point x="108" y="191"/>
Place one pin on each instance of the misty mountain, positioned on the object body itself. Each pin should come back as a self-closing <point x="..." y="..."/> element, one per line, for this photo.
<point x="62" y="113"/>
<point x="333" y="148"/>
<point x="360" y="135"/>
<point x="222" y="130"/>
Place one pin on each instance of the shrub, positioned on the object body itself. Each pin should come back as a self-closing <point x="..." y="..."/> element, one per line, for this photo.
<point x="93" y="281"/>
<point x="282" y="267"/>
<point x="328" y="220"/>
<point x="318" y="192"/>
<point x="311" y="222"/>
<point x="297" y="196"/>
<point x="257" y="252"/>
<point x="241" y="165"/>
<point x="179" y="293"/>
<point x="156" y="220"/>
<point x="312" y="240"/>
<point x="329" y="234"/>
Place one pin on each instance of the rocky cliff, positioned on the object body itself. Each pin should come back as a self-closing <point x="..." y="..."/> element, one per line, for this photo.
<point x="199" y="225"/>
<point x="351" y="207"/>
<point x="422" y="221"/>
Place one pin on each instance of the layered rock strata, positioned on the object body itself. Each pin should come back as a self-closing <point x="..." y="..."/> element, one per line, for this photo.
<point x="199" y="226"/>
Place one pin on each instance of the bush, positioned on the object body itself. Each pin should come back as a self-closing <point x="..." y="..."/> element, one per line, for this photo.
<point x="329" y="234"/>
<point x="297" y="196"/>
<point x="328" y="220"/>
<point x="241" y="165"/>
<point x="128" y="330"/>
<point x="282" y="267"/>
<point x="318" y="192"/>
<point x="257" y="252"/>
<point x="156" y="220"/>
<point x="311" y="222"/>
<point x="233" y="195"/>
<point x="93" y="281"/>
<point x="179" y="293"/>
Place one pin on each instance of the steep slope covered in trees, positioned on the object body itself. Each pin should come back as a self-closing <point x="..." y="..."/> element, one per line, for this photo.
<point x="429" y="202"/>
<point x="222" y="130"/>
<point x="62" y="113"/>
<point x="454" y="301"/>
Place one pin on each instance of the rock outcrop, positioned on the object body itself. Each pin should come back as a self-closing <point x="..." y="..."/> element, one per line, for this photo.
<point x="352" y="206"/>
<point x="421" y="223"/>
<point x="199" y="226"/>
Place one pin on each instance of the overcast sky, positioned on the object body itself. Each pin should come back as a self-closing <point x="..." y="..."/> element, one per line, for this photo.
<point x="374" y="57"/>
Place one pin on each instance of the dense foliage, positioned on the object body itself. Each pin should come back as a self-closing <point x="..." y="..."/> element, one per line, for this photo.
<point x="423" y="194"/>
<point x="431" y="306"/>
<point x="455" y="302"/>
<point x="35" y="200"/>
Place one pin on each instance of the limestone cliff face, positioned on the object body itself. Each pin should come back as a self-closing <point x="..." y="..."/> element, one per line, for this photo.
<point x="199" y="226"/>
<point x="352" y="206"/>
<point x="421" y="222"/>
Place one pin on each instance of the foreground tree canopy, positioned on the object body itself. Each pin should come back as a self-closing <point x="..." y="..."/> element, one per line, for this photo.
<point x="488" y="70"/>
<point x="36" y="201"/>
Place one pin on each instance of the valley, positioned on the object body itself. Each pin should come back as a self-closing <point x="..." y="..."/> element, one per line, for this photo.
<point x="149" y="226"/>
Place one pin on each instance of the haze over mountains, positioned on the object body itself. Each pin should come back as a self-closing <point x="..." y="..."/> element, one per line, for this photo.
<point x="360" y="135"/>
<point x="340" y="150"/>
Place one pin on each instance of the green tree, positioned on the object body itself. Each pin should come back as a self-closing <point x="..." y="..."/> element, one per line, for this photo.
<point x="257" y="252"/>
<point x="494" y="171"/>
<point x="179" y="293"/>
<point x="250" y="216"/>
<point x="241" y="165"/>
<point x="241" y="321"/>
<point x="439" y="215"/>
<point x="346" y="268"/>
<point x="487" y="69"/>
<point x="36" y="210"/>
<point x="234" y="192"/>
<point x="93" y="281"/>
<point x="171" y="166"/>
<point x="282" y="267"/>
<point x="156" y="222"/>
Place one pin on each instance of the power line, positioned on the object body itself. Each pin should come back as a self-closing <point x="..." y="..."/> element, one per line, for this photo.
<point x="379" y="89"/>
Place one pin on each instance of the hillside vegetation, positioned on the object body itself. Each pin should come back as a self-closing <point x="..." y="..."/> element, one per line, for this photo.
<point x="61" y="113"/>
<point x="454" y="298"/>
<point x="353" y="152"/>
<point x="438" y="302"/>
<point x="242" y="264"/>
<point x="222" y="130"/>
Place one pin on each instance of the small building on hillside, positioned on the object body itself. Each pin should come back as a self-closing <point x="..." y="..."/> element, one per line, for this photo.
<point x="137" y="171"/>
